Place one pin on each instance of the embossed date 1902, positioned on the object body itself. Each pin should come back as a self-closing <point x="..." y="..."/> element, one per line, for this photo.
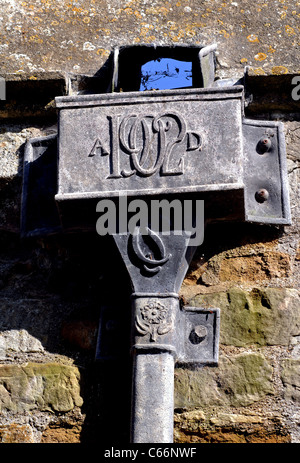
<point x="151" y="142"/>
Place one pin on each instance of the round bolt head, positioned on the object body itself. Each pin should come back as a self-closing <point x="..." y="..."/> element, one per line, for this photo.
<point x="262" y="195"/>
<point x="198" y="334"/>
<point x="264" y="145"/>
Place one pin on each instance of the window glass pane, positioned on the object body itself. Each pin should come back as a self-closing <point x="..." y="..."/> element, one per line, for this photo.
<point x="166" y="73"/>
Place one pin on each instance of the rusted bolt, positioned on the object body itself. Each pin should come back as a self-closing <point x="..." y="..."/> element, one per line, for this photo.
<point x="261" y="195"/>
<point x="198" y="334"/>
<point x="264" y="145"/>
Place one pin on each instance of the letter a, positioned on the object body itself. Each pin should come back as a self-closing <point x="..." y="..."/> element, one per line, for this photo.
<point x="106" y="224"/>
<point x="98" y="148"/>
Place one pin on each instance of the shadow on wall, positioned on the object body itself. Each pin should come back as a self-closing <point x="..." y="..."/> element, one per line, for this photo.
<point x="52" y="288"/>
<point x="51" y="293"/>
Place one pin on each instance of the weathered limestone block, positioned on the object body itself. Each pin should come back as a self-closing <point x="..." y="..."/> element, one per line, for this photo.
<point x="263" y="316"/>
<point x="40" y="36"/>
<point x="238" y="381"/>
<point x="16" y="434"/>
<point x="18" y="341"/>
<point x="247" y="265"/>
<point x="62" y="432"/>
<point x="226" y="427"/>
<point x="225" y="419"/>
<point x="32" y="386"/>
<point x="290" y="376"/>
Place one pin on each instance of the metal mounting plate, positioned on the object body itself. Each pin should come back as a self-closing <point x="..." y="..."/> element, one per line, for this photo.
<point x="197" y="337"/>
<point x="199" y="342"/>
<point x="265" y="171"/>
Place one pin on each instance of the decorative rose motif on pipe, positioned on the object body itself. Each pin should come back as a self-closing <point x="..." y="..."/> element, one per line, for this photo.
<point x="153" y="319"/>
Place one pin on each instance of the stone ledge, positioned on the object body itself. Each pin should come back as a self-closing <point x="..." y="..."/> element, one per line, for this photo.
<point x="32" y="95"/>
<point x="49" y="35"/>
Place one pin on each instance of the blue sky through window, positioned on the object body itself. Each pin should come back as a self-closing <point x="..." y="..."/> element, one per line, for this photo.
<point x="166" y="73"/>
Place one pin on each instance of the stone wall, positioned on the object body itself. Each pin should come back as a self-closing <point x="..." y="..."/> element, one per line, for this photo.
<point x="51" y="288"/>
